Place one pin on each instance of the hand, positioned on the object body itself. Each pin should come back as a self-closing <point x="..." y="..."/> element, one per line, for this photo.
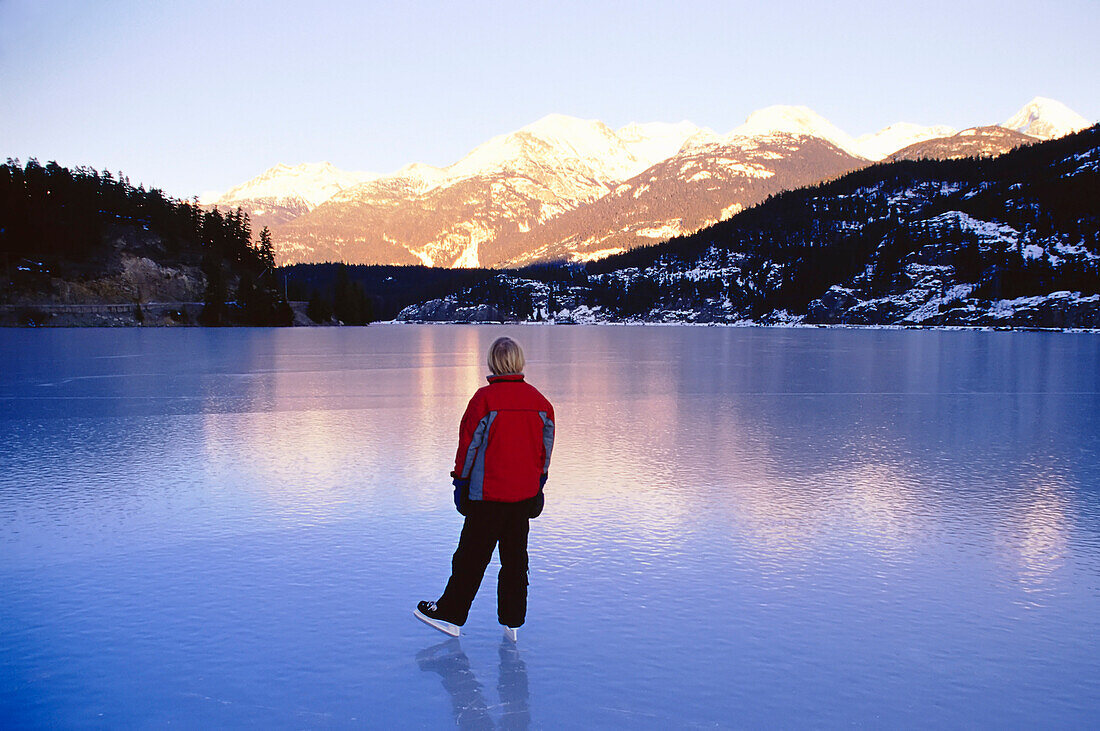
<point x="539" y="501"/>
<point x="461" y="493"/>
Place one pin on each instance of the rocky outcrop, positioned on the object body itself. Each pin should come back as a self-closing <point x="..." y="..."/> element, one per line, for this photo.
<point x="446" y="310"/>
<point x="832" y="306"/>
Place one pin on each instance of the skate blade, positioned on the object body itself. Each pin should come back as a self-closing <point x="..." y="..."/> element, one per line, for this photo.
<point x="445" y="627"/>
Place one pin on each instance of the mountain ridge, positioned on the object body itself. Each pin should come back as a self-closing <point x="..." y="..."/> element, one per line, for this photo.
<point x="472" y="212"/>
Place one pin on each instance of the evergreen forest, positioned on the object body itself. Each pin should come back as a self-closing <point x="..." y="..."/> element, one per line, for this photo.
<point x="59" y="225"/>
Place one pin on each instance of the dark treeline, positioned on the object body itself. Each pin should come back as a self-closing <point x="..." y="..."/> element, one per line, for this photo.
<point x="62" y="223"/>
<point x="356" y="294"/>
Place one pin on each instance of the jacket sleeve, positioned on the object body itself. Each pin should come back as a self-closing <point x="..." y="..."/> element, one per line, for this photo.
<point x="548" y="427"/>
<point x="467" y="444"/>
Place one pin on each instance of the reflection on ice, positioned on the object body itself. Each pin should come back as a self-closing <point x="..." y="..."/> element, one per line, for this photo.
<point x="1037" y="534"/>
<point x="468" y="703"/>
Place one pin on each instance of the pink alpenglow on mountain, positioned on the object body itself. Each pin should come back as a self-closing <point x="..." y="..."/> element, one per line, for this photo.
<point x="564" y="188"/>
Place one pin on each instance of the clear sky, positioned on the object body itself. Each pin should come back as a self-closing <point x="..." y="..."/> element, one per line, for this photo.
<point x="201" y="95"/>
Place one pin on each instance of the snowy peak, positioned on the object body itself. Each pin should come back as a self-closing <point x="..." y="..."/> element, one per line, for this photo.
<point x="562" y="127"/>
<point x="877" y="145"/>
<point x="555" y="141"/>
<point x="1046" y="119"/>
<point x="657" y="141"/>
<point x="311" y="183"/>
<point x="796" y="120"/>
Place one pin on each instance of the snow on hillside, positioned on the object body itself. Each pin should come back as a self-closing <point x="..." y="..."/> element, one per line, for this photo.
<point x="1046" y="119"/>
<point x="878" y="145"/>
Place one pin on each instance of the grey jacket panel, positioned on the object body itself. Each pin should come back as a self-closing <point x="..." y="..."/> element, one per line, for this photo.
<point x="547" y="438"/>
<point x="476" y="466"/>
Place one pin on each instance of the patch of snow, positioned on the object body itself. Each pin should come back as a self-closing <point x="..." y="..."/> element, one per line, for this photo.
<point x="989" y="232"/>
<point x="730" y="211"/>
<point x="582" y="256"/>
<point x="932" y="306"/>
<point x="749" y="170"/>
<point x="424" y="257"/>
<point x="665" y="231"/>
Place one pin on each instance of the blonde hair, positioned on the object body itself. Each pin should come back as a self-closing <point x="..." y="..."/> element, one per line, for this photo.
<point x="505" y="356"/>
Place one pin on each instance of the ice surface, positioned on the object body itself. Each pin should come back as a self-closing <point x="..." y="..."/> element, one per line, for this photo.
<point x="744" y="528"/>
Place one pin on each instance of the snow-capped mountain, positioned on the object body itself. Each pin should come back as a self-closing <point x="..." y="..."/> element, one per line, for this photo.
<point x="1046" y="119"/>
<point x="793" y="120"/>
<point x="285" y="192"/>
<point x="881" y="144"/>
<point x="573" y="188"/>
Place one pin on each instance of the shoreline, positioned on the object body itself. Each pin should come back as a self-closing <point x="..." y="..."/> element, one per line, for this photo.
<point x="116" y="314"/>
<point x="185" y="314"/>
<point x="745" y="324"/>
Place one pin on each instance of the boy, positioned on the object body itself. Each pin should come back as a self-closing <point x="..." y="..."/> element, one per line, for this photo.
<point x="503" y="459"/>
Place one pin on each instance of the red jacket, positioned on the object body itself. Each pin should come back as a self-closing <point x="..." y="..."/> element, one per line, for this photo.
<point x="505" y="440"/>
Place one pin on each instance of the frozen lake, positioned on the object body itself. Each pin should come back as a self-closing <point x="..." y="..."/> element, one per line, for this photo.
<point x="743" y="527"/>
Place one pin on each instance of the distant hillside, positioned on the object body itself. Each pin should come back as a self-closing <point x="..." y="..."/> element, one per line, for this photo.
<point x="1010" y="241"/>
<point x="975" y="142"/>
<point x="85" y="237"/>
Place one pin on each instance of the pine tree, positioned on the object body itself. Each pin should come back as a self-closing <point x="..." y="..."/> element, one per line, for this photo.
<point x="214" y="308"/>
<point x="267" y="249"/>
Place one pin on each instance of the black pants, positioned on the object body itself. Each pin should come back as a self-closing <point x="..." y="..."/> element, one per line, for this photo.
<point x="488" y="525"/>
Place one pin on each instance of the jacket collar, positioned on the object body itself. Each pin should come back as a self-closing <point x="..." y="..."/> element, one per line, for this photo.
<point x="504" y="377"/>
